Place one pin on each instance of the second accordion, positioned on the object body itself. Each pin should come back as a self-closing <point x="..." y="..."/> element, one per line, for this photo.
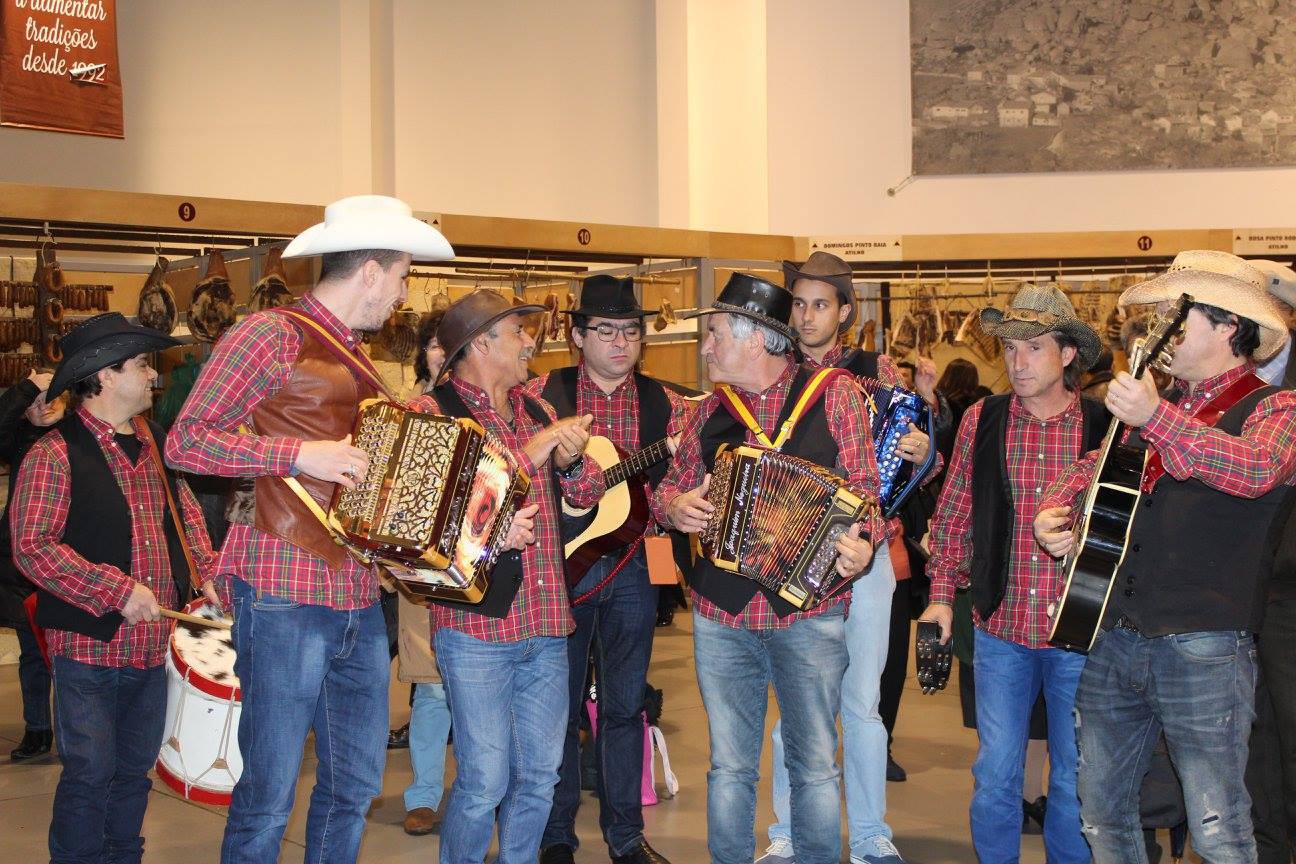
<point x="437" y="502"/>
<point x="777" y="521"/>
<point x="891" y="410"/>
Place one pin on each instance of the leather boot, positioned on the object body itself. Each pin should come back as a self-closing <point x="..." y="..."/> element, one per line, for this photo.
<point x="35" y="743"/>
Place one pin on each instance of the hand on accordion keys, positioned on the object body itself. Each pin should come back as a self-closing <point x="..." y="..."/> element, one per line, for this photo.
<point x="521" y="533"/>
<point x="333" y="461"/>
<point x="913" y="445"/>
<point x="691" y="511"/>
<point x="853" y="552"/>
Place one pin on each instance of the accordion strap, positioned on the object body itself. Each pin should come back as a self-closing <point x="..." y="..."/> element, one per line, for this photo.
<point x="813" y="392"/>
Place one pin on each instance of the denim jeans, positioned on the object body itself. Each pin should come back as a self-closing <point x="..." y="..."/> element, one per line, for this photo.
<point x="303" y="668"/>
<point x="429" y="731"/>
<point x="864" y="737"/>
<point x="1009" y="678"/>
<point x="735" y="667"/>
<point x="619" y="621"/>
<point x="109" y="726"/>
<point x="1200" y="689"/>
<point x="508" y="703"/>
<point x="33" y="679"/>
<point x="1271" y="768"/>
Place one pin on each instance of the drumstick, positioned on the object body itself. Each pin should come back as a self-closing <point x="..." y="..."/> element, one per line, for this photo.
<point x="219" y="623"/>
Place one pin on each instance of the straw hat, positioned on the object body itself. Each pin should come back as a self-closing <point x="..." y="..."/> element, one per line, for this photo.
<point x="1282" y="279"/>
<point x="1038" y="309"/>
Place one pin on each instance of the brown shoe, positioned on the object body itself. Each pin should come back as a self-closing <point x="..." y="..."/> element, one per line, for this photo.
<point x="422" y="820"/>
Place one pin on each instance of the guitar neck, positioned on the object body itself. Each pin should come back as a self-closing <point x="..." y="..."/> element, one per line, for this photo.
<point x="635" y="463"/>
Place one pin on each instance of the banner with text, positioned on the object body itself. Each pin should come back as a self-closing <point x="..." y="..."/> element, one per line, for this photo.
<point x="58" y="66"/>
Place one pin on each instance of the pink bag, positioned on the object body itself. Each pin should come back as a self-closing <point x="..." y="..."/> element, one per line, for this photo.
<point x="653" y="740"/>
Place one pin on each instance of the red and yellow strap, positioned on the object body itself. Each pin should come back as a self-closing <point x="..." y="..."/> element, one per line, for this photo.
<point x="812" y="393"/>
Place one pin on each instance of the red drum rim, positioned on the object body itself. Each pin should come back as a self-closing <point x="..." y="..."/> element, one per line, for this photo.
<point x="200" y="681"/>
<point x="189" y="790"/>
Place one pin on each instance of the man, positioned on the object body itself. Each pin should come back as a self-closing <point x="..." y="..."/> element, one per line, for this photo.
<point x="1178" y="650"/>
<point x="94" y="527"/>
<point x="632" y="411"/>
<point x="504" y="661"/>
<point x="746" y="638"/>
<point x="277" y="401"/>
<point x="1281" y="282"/>
<point x="823" y="308"/>
<point x="1009" y="448"/>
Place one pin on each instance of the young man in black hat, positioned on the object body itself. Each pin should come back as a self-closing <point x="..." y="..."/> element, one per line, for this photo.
<point x="746" y="637"/>
<point x="633" y="412"/>
<point x="93" y="528"/>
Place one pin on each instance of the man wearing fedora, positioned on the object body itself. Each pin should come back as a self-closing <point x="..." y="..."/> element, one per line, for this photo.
<point x="1178" y="650"/>
<point x="1008" y="450"/>
<point x="95" y="529"/>
<point x="746" y="637"/>
<point x="632" y="411"/>
<point x="504" y="661"/>
<point x="278" y="399"/>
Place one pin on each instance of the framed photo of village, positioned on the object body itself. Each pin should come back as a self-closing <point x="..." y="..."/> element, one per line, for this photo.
<point x="1010" y="86"/>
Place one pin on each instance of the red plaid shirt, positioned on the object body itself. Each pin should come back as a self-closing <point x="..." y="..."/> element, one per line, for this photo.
<point x="251" y="363"/>
<point x="542" y="607"/>
<point x="1038" y="452"/>
<point x="37" y="520"/>
<point x="848" y="423"/>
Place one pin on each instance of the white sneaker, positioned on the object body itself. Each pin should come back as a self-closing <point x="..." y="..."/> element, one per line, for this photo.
<point x="779" y="852"/>
<point x="880" y="851"/>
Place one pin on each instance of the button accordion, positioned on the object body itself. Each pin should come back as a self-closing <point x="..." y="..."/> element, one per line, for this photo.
<point x="891" y="410"/>
<point x="437" y="502"/>
<point x="777" y="520"/>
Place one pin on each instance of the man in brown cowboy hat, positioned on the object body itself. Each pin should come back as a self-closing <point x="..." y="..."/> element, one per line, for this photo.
<point x="504" y="661"/>
<point x="1178" y="651"/>
<point x="1009" y="448"/>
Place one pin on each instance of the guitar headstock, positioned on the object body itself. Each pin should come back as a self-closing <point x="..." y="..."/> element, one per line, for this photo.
<point x="1156" y="349"/>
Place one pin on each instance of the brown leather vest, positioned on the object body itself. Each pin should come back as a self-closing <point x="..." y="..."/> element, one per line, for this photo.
<point x="319" y="402"/>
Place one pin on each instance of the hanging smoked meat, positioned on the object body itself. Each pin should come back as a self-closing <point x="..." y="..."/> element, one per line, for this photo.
<point x="157" y="305"/>
<point x="271" y="289"/>
<point x="212" y="310"/>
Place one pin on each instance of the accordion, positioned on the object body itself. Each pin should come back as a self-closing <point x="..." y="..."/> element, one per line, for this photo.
<point x="777" y="520"/>
<point x="436" y="503"/>
<point x="891" y="410"/>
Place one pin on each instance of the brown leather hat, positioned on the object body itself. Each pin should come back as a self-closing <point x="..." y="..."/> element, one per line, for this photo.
<point x="824" y="267"/>
<point x="469" y="316"/>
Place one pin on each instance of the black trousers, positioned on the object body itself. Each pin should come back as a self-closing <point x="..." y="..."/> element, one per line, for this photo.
<point x="1271" y="768"/>
<point x="896" y="669"/>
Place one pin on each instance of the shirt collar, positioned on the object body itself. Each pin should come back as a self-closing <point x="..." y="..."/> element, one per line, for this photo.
<point x="1017" y="409"/>
<point x="331" y="322"/>
<point x="833" y="355"/>
<point x="587" y="383"/>
<point x="1212" y="387"/>
<point x="102" y="430"/>
<point x="782" y="382"/>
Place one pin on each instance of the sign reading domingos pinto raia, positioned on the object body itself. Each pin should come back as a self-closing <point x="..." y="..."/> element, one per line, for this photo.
<point x="58" y="66"/>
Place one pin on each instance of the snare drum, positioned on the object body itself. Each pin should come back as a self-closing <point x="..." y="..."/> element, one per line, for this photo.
<point x="200" y="756"/>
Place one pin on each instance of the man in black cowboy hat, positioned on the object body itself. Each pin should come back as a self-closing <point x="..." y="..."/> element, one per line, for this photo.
<point x="745" y="637"/>
<point x="93" y="529"/>
<point x="632" y="411"/>
<point x="504" y="660"/>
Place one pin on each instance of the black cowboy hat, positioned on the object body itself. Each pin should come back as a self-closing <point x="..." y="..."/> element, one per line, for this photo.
<point x="825" y="267"/>
<point x="471" y="315"/>
<point x="100" y="342"/>
<point x="608" y="297"/>
<point x="764" y="302"/>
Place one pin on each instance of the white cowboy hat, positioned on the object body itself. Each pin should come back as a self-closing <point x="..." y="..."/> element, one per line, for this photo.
<point x="1282" y="279"/>
<point x="1217" y="279"/>
<point x="370" y="222"/>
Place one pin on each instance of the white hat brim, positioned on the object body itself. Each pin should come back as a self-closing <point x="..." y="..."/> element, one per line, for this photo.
<point x="1236" y="295"/>
<point x="372" y="231"/>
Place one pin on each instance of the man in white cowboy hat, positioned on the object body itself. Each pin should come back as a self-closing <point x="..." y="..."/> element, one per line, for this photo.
<point x="1009" y="448"/>
<point x="1178" y="650"/>
<point x="278" y="400"/>
<point x="1281" y="282"/>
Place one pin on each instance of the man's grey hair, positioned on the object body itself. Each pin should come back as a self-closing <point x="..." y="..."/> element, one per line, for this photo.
<point x="741" y="326"/>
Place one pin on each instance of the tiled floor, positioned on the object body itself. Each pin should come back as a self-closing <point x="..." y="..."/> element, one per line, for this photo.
<point x="928" y="813"/>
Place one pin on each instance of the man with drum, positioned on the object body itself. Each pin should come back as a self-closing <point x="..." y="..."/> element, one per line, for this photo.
<point x="277" y="401"/>
<point x="94" y="527"/>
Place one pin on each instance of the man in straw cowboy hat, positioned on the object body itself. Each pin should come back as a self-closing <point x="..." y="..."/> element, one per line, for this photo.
<point x="94" y="528"/>
<point x="278" y="400"/>
<point x="1178" y="651"/>
<point x="504" y="661"/>
<point x="745" y="636"/>
<point x="1281" y="282"/>
<point x="1009" y="448"/>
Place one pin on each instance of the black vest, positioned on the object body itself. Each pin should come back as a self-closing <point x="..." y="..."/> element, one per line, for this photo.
<point x="859" y="362"/>
<point x="1283" y="582"/>
<point x="810" y="440"/>
<point x="993" y="512"/>
<point x="1200" y="559"/>
<point x="98" y="528"/>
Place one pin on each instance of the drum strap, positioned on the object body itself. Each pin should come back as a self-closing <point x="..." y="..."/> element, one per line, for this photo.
<point x="155" y="456"/>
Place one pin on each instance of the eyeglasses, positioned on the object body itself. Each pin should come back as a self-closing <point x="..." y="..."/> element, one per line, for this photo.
<point x="607" y="332"/>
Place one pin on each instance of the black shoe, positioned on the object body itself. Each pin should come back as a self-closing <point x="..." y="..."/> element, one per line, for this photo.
<point x="895" y="773"/>
<point x="1033" y="812"/>
<point x="665" y="616"/>
<point x="35" y="743"/>
<point x="560" y="853"/>
<point x="398" y="739"/>
<point x="641" y="854"/>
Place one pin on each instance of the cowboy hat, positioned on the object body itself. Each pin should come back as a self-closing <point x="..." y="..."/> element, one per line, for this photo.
<point x="370" y="222"/>
<point x="1217" y="279"/>
<point x="824" y="267"/>
<point x="100" y="342"/>
<point x="471" y="315"/>
<point x="1282" y="279"/>
<point x="608" y="297"/>
<point x="764" y="302"/>
<point x="1038" y="309"/>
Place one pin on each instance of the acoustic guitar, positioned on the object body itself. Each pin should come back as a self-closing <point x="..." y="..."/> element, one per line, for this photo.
<point x="1110" y="505"/>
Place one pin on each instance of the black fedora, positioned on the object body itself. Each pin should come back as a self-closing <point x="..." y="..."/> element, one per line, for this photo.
<point x="470" y="315"/>
<point x="764" y="302"/>
<point x="100" y="342"/>
<point x="608" y="297"/>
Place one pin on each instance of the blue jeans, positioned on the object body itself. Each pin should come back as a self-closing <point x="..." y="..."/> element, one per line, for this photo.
<point x="109" y="728"/>
<point x="429" y="732"/>
<point x="304" y="667"/>
<point x="1200" y="689"/>
<point x="33" y="679"/>
<point x="623" y="616"/>
<point x="864" y="738"/>
<point x="735" y="667"/>
<point x="508" y="703"/>
<point x="1008" y="681"/>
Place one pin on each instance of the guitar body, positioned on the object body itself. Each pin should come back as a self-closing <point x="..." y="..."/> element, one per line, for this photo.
<point x="620" y="517"/>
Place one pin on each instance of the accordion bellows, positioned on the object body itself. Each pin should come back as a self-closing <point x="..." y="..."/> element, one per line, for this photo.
<point x="436" y="503"/>
<point x="777" y="521"/>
